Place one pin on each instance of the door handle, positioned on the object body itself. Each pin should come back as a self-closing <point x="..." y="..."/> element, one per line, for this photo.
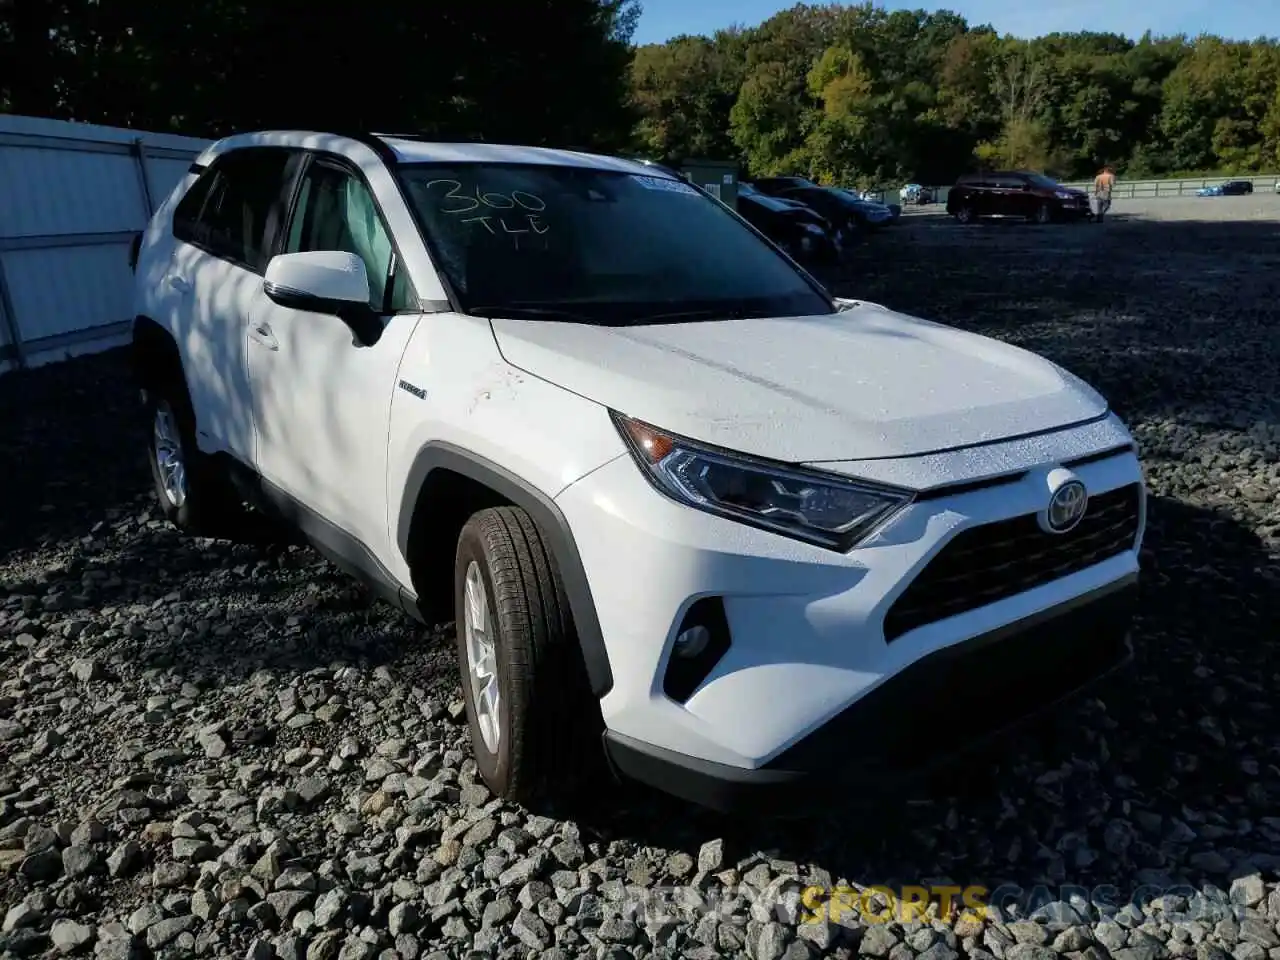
<point x="179" y="283"/>
<point x="261" y="332"/>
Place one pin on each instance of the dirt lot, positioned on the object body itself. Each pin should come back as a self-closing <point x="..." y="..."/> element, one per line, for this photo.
<point x="208" y="749"/>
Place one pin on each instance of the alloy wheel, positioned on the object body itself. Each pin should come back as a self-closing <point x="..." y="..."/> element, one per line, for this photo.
<point x="167" y="442"/>
<point x="482" y="659"/>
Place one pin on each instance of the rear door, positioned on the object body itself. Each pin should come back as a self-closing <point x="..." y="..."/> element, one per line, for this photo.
<point x="224" y="226"/>
<point x="969" y="191"/>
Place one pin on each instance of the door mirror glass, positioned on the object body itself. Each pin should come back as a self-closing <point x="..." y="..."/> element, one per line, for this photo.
<point x="325" y="281"/>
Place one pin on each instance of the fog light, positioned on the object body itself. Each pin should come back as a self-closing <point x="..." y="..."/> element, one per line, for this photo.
<point x="691" y="642"/>
<point x="701" y="640"/>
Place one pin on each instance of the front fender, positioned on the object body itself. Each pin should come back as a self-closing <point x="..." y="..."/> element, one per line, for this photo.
<point x="441" y="455"/>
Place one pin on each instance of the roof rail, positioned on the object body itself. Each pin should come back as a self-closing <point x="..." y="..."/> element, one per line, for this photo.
<point x="373" y="141"/>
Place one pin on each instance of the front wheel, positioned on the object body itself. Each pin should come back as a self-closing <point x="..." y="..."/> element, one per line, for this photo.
<point x="1043" y="214"/>
<point x="965" y="214"/>
<point x="523" y="679"/>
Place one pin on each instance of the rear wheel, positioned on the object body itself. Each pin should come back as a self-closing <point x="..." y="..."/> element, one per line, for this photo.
<point x="966" y="214"/>
<point x="528" y="704"/>
<point x="191" y="491"/>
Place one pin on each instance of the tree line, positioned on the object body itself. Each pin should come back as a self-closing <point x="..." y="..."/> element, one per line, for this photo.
<point x="856" y="94"/>
<point x="540" y="71"/>
<point x="844" y="93"/>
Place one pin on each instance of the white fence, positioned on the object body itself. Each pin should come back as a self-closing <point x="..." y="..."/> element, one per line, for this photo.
<point x="72" y="195"/>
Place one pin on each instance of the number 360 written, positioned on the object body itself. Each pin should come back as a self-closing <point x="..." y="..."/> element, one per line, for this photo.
<point x="482" y="204"/>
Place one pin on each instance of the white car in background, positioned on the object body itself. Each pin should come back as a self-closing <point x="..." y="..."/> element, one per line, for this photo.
<point x="689" y="511"/>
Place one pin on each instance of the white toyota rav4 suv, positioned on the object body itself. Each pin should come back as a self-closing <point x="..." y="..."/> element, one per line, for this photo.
<point x="689" y="512"/>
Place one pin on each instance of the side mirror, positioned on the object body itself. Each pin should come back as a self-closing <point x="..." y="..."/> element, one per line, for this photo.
<point x="333" y="282"/>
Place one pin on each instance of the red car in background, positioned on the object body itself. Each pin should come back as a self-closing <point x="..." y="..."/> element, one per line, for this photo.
<point x="1019" y="193"/>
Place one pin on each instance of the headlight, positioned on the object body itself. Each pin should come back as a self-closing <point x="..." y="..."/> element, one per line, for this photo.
<point x="1063" y="194"/>
<point x="807" y="505"/>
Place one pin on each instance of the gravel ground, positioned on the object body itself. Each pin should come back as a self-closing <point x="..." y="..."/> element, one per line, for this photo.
<point x="216" y="750"/>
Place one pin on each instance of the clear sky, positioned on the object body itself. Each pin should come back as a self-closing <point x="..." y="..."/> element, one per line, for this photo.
<point x="1235" y="19"/>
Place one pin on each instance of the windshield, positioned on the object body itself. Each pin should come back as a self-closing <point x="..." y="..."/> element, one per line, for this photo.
<point x="1040" y="180"/>
<point x="766" y="201"/>
<point x="598" y="246"/>
<point x="856" y="197"/>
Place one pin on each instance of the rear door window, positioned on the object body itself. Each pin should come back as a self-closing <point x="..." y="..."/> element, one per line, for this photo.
<point x="235" y="208"/>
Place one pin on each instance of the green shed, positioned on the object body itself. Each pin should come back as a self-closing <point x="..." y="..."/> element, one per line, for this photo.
<point x="717" y="177"/>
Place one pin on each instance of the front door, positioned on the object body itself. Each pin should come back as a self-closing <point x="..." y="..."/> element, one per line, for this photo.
<point x="1011" y="195"/>
<point x="321" y="401"/>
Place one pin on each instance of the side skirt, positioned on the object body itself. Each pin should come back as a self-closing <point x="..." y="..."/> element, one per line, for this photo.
<point x="336" y="545"/>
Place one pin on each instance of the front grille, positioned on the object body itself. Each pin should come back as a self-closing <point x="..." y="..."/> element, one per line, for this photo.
<point x="991" y="562"/>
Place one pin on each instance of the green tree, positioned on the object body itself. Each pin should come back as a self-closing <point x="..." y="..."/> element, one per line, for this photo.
<point x="558" y="73"/>
<point x="842" y="140"/>
<point x="1216" y="104"/>
<point x="683" y="91"/>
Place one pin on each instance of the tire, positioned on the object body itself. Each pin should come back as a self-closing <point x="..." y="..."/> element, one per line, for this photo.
<point x="192" y="492"/>
<point x="533" y="723"/>
<point x="1043" y="214"/>
<point x="965" y="214"/>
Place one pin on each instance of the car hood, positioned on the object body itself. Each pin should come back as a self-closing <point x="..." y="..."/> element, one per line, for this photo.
<point x="860" y="384"/>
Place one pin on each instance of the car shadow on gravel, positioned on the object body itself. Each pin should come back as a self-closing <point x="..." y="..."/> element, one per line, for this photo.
<point x="1160" y="315"/>
<point x="1124" y="787"/>
<point x="80" y="536"/>
<point x="72" y="442"/>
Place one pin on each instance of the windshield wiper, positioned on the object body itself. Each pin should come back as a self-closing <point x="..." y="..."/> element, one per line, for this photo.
<point x="500" y="311"/>
<point x="708" y="313"/>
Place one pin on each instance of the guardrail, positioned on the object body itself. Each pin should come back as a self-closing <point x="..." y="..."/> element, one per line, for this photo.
<point x="1124" y="189"/>
<point x="1144" y="189"/>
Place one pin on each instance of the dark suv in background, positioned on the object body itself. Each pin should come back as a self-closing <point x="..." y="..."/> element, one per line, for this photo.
<point x="804" y="234"/>
<point x="1030" y="196"/>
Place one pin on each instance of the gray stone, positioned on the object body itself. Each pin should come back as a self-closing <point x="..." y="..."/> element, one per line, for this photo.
<point x="1259" y="932"/>
<point x="80" y="861"/>
<point x="531" y="930"/>
<point x="164" y="932"/>
<point x="711" y="856"/>
<point x="124" y="859"/>
<point x="877" y="941"/>
<point x="68" y="936"/>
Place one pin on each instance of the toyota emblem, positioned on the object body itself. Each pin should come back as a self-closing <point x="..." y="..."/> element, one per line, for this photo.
<point x="1067" y="507"/>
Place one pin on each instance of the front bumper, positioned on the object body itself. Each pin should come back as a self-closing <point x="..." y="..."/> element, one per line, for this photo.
<point x="815" y="632"/>
<point x="930" y="714"/>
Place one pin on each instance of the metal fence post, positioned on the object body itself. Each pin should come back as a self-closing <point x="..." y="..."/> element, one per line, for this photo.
<point x="10" y="317"/>
<point x="139" y="152"/>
